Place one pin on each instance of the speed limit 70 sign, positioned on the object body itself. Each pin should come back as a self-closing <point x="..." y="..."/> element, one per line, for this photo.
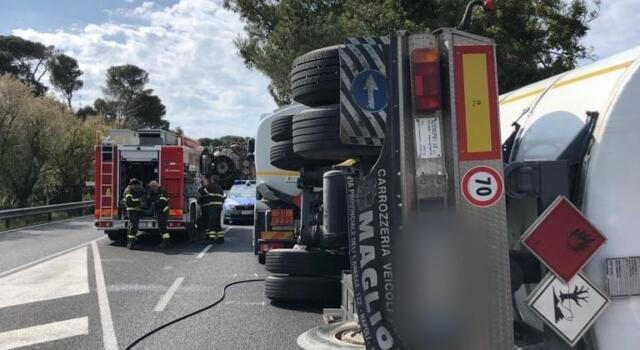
<point x="482" y="186"/>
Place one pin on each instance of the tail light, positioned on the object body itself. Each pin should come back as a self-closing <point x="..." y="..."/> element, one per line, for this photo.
<point x="297" y="200"/>
<point x="175" y="224"/>
<point x="265" y="247"/>
<point x="175" y="213"/>
<point x="426" y="79"/>
<point x="104" y="223"/>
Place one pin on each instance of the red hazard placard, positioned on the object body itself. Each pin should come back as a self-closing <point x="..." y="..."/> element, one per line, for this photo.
<point x="563" y="239"/>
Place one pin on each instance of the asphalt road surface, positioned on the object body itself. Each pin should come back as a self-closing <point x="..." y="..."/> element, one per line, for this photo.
<point x="67" y="286"/>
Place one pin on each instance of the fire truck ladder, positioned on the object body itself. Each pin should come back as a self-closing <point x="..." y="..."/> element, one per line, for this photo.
<point x="106" y="183"/>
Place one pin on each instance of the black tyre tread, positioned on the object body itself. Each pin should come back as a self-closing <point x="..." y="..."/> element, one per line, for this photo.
<point x="305" y="262"/>
<point x="302" y="67"/>
<point x="117" y="236"/>
<point x="281" y="128"/>
<point x="328" y="76"/>
<point x="312" y="69"/>
<point x="282" y="156"/>
<point x="316" y="122"/>
<point x="315" y="77"/>
<point x="316" y="135"/>
<point x="317" y="55"/>
<point x="306" y="290"/>
<point x="326" y="70"/>
<point x="316" y="95"/>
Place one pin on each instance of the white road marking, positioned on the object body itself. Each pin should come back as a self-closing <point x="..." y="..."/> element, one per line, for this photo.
<point x="204" y="251"/>
<point x="108" y="332"/>
<point x="60" y="277"/>
<point x="8" y="272"/>
<point x="162" y="303"/>
<point x="44" y="333"/>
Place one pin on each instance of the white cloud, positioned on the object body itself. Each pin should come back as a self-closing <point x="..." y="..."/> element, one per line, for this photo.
<point x="188" y="51"/>
<point x="615" y="30"/>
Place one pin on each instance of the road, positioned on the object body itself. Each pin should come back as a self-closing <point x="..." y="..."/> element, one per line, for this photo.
<point x="66" y="286"/>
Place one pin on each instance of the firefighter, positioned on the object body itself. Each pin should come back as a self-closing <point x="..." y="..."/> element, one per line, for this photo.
<point x="159" y="201"/>
<point x="210" y="198"/>
<point x="133" y="203"/>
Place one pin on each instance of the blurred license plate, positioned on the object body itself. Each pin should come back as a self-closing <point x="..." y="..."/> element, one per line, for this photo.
<point x="147" y="224"/>
<point x="247" y="212"/>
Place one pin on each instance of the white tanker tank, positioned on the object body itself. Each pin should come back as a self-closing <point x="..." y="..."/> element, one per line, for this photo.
<point x="551" y="113"/>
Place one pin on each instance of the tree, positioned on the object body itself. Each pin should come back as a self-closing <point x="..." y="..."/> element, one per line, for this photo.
<point x="73" y="155"/>
<point x="25" y="59"/>
<point x="127" y="98"/>
<point x="206" y="142"/>
<point x="64" y="75"/>
<point x="147" y="111"/>
<point x="85" y="112"/>
<point x="125" y="82"/>
<point x="226" y="140"/>
<point x="45" y="151"/>
<point x="104" y="108"/>
<point x="12" y="105"/>
<point x="26" y="174"/>
<point x="535" y="39"/>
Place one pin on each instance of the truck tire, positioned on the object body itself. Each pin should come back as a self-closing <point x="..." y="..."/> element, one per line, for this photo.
<point x="281" y="128"/>
<point x="117" y="235"/>
<point x="305" y="262"/>
<point x="315" y="77"/>
<point x="320" y="291"/>
<point x="316" y="135"/>
<point x="282" y="156"/>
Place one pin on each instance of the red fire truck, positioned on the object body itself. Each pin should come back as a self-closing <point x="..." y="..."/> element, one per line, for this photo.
<point x="149" y="154"/>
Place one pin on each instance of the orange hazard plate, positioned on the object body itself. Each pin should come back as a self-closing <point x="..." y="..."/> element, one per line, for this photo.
<point x="281" y="235"/>
<point x="281" y="217"/>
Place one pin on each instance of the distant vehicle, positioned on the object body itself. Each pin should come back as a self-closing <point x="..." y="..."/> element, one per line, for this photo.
<point x="277" y="209"/>
<point x="241" y="199"/>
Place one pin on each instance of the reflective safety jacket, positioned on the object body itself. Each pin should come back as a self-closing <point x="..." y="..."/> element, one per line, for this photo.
<point x="211" y="194"/>
<point x="132" y="199"/>
<point x="161" y="200"/>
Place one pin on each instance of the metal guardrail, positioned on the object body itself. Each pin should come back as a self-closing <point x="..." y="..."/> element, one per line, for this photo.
<point x="9" y="214"/>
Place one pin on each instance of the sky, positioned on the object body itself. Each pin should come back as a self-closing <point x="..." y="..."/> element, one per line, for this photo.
<point x="187" y="48"/>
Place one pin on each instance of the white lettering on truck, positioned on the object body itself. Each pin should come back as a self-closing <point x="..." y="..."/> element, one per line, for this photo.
<point x="369" y="275"/>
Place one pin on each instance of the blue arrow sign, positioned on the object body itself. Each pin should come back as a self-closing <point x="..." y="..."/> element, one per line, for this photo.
<point x="369" y="90"/>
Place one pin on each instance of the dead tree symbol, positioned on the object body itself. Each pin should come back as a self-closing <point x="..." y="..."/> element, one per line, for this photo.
<point x="560" y="298"/>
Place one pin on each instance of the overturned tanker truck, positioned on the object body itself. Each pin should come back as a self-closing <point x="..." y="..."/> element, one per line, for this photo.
<point x="462" y="230"/>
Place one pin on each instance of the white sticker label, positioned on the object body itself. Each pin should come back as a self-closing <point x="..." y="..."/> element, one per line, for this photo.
<point x="428" y="141"/>
<point x="569" y="309"/>
<point x="623" y="276"/>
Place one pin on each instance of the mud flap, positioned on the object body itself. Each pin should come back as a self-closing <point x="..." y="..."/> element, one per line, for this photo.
<point x="375" y="215"/>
